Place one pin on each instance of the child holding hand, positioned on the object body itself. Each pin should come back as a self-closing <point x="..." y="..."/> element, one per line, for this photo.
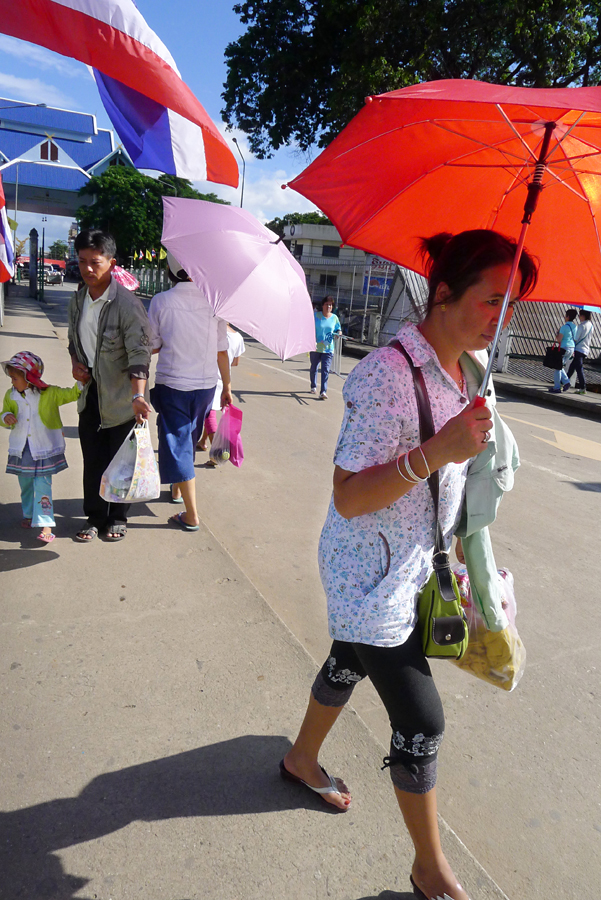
<point x="36" y="448"/>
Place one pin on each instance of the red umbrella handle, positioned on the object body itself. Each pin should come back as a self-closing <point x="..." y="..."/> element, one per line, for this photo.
<point x="534" y="189"/>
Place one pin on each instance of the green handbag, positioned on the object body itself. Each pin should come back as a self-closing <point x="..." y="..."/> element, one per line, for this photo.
<point x="441" y="620"/>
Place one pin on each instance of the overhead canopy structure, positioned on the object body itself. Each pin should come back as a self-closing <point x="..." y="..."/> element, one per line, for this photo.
<point x="48" y="154"/>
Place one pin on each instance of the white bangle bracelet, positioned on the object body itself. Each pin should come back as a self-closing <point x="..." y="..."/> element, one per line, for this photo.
<point x="418" y="480"/>
<point x="425" y="461"/>
<point x="402" y="474"/>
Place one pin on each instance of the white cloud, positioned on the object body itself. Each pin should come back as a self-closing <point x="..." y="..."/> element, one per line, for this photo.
<point x="263" y="194"/>
<point x="33" y="91"/>
<point x="34" y="55"/>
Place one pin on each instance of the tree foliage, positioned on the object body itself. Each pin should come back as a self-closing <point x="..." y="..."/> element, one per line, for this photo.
<point x="58" y="250"/>
<point x="303" y="68"/>
<point x="128" y="205"/>
<point x="311" y="218"/>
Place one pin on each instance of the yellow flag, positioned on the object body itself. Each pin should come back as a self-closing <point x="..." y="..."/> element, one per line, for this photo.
<point x="148" y="256"/>
<point x="163" y="253"/>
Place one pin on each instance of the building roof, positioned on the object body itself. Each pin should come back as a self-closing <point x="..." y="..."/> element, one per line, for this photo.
<point x="45" y="176"/>
<point x="38" y="119"/>
<point x="51" y="185"/>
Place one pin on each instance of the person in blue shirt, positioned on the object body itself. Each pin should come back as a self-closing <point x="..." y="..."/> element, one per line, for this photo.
<point x="326" y="326"/>
<point x="565" y="338"/>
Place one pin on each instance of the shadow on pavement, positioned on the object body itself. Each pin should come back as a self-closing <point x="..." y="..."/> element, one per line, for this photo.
<point x="29" y="336"/>
<point x="280" y="395"/>
<point x="594" y="486"/>
<point x="25" y="557"/>
<point x="389" y="895"/>
<point x="230" y="778"/>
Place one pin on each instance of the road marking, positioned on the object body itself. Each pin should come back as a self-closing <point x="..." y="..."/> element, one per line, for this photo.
<point x="567" y="443"/>
<point x="561" y="475"/>
<point x="294" y="375"/>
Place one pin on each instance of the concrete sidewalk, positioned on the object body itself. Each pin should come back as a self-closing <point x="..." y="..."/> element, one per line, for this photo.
<point x="149" y="692"/>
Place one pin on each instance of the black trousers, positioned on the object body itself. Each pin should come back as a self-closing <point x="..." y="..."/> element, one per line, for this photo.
<point x="98" y="447"/>
<point x="577" y="366"/>
<point x="402" y="677"/>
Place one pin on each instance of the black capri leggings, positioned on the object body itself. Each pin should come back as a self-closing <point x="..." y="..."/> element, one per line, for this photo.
<point x="402" y="677"/>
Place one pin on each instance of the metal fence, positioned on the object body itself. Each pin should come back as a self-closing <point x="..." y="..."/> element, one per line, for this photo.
<point x="153" y="280"/>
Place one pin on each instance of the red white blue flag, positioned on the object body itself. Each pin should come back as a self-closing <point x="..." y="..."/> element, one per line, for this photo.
<point x="7" y="253"/>
<point x="161" y="123"/>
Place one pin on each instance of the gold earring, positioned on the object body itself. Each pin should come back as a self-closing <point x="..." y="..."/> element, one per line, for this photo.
<point x="443" y="307"/>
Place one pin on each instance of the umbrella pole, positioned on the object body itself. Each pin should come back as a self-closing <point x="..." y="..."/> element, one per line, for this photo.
<point x="534" y="189"/>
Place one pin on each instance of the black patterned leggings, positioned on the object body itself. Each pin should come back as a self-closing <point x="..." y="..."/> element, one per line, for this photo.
<point x="402" y="677"/>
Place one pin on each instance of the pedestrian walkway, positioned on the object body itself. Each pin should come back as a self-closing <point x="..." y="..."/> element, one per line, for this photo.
<point x="149" y="692"/>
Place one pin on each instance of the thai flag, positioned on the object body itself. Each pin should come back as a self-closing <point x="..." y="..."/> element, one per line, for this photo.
<point x="161" y="123"/>
<point x="7" y="253"/>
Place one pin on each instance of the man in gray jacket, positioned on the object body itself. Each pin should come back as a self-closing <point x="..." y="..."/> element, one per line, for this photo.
<point x="110" y="349"/>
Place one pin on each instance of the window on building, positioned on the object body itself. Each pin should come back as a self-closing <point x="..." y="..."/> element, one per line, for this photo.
<point x="49" y="150"/>
<point x="330" y="251"/>
<point x="298" y="251"/>
<point x="328" y="280"/>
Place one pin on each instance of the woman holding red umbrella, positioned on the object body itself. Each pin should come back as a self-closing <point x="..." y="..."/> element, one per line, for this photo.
<point x="376" y="545"/>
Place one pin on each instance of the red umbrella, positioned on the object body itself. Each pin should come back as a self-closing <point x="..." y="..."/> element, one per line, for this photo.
<point x="457" y="155"/>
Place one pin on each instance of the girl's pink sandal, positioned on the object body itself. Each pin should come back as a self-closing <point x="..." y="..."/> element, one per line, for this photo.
<point x="46" y="538"/>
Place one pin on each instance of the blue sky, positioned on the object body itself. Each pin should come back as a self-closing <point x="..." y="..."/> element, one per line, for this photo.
<point x="196" y="32"/>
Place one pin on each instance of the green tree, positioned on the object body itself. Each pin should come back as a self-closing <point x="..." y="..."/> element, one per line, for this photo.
<point x="310" y="218"/>
<point x="303" y="68"/>
<point x="58" y="250"/>
<point x="128" y="205"/>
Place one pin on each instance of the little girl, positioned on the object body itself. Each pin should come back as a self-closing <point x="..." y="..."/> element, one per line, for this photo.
<point x="36" y="448"/>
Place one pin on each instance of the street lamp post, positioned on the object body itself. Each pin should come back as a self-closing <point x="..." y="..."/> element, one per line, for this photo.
<point x="243" y="172"/>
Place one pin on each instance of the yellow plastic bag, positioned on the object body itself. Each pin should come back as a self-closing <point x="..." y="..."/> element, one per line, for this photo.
<point x="498" y="657"/>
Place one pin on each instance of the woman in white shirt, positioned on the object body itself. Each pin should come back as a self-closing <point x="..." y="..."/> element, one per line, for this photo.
<point x="192" y="345"/>
<point x="376" y="545"/>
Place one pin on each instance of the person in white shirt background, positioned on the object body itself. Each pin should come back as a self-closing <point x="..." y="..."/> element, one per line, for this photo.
<point x="582" y="348"/>
<point x="192" y="345"/>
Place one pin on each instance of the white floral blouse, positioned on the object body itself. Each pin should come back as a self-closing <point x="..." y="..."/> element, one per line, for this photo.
<point x="373" y="566"/>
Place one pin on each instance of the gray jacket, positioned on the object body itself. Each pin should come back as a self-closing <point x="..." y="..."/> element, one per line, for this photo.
<point x="122" y="351"/>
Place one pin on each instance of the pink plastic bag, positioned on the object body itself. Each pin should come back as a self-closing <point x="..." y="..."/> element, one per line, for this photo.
<point x="227" y="443"/>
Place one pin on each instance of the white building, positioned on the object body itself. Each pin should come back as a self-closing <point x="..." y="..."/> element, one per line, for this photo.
<point x="359" y="282"/>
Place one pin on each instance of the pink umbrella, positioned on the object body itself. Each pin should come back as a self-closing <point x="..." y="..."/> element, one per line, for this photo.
<point x="125" y="278"/>
<point x="247" y="274"/>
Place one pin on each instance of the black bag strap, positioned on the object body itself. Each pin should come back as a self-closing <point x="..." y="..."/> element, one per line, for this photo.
<point x="440" y="558"/>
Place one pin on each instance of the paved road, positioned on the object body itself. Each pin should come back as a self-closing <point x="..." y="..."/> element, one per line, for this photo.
<point x="150" y="662"/>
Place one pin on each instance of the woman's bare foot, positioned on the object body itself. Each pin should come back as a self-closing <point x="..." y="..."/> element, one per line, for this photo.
<point x="437" y="881"/>
<point x="311" y="772"/>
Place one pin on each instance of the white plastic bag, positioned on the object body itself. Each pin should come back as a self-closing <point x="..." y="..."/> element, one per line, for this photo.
<point x="132" y="476"/>
<point x="498" y="657"/>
